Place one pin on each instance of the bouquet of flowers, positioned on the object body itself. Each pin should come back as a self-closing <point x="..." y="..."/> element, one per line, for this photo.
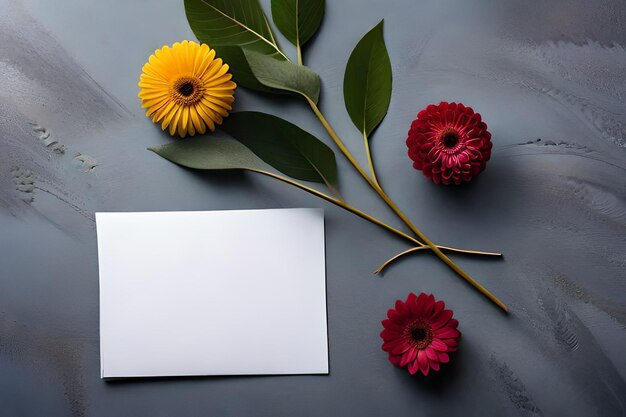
<point x="189" y="89"/>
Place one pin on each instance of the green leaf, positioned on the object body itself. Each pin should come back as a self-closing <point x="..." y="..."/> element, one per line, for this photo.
<point x="240" y="33"/>
<point x="263" y="73"/>
<point x="232" y="23"/>
<point x="298" y="20"/>
<point x="210" y="153"/>
<point x="367" y="81"/>
<point x="285" y="146"/>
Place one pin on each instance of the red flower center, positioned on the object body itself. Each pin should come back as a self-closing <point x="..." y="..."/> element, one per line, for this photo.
<point x="421" y="335"/>
<point x="449" y="137"/>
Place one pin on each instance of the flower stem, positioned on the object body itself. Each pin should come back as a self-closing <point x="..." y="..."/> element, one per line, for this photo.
<point x="418" y="248"/>
<point x="390" y="260"/>
<point x="299" y="50"/>
<point x="339" y="143"/>
<point x="342" y="204"/>
<point x="439" y="253"/>
<point x="397" y="210"/>
<point x="354" y="210"/>
<point x="370" y="162"/>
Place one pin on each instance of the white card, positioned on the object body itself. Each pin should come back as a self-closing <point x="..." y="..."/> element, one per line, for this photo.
<point x="237" y="292"/>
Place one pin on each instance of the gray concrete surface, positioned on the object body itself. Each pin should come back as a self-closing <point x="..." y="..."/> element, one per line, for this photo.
<point x="549" y="79"/>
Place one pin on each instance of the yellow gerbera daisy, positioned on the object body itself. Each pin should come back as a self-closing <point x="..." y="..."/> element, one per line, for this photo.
<point x="186" y="88"/>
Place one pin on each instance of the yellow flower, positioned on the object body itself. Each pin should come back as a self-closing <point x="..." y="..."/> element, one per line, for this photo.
<point x="186" y="88"/>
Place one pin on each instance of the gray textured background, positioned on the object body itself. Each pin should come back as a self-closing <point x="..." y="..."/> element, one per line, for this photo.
<point x="548" y="77"/>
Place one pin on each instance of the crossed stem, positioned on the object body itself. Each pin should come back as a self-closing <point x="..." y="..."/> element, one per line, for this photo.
<point x="373" y="183"/>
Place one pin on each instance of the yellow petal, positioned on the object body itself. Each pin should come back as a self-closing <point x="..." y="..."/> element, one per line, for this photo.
<point x="174" y="121"/>
<point x="213" y="69"/>
<point x="195" y="119"/>
<point x="214" y="106"/>
<point x="184" y="121"/>
<point x="206" y="56"/>
<point x="154" y="104"/>
<point x="152" y="94"/>
<point x="163" y="111"/>
<point x="217" y="81"/>
<point x="206" y="115"/>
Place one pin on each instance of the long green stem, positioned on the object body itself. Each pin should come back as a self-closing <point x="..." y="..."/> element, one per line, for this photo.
<point x="390" y="260"/>
<point x="397" y="210"/>
<point x="342" y="204"/>
<point x="354" y="210"/>
<point x="419" y="248"/>
<point x="299" y="50"/>
<point x="370" y="161"/>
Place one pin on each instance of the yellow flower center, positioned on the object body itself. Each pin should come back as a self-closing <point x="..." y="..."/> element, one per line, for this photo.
<point x="187" y="90"/>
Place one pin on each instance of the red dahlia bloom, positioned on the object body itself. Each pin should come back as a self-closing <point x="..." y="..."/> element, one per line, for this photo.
<point x="449" y="143"/>
<point x="419" y="333"/>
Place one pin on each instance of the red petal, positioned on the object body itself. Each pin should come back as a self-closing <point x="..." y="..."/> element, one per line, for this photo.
<point x="394" y="316"/>
<point x="475" y="143"/>
<point x="414" y="307"/>
<point x="390" y="346"/>
<point x="447" y="333"/>
<point x="390" y="335"/>
<point x="443" y="357"/>
<point x="413" y="367"/>
<point x="410" y="300"/>
<point x="423" y="362"/>
<point x="439" y="345"/>
<point x="401" y="347"/>
<point x="408" y="356"/>
<point x="451" y="342"/>
<point x="434" y="155"/>
<point x="422" y="114"/>
<point x="421" y="304"/>
<point x="439" y="306"/>
<point x="392" y="325"/>
<point x="401" y="307"/>
<point x="431" y="354"/>
<point x="450" y="116"/>
<point x="430" y="305"/>
<point x="399" y="317"/>
<point x="441" y="319"/>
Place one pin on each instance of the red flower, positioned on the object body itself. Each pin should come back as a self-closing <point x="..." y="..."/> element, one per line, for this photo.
<point x="420" y="333"/>
<point x="449" y="143"/>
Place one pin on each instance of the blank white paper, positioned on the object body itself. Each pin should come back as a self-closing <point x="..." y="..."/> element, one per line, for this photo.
<point x="237" y="292"/>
